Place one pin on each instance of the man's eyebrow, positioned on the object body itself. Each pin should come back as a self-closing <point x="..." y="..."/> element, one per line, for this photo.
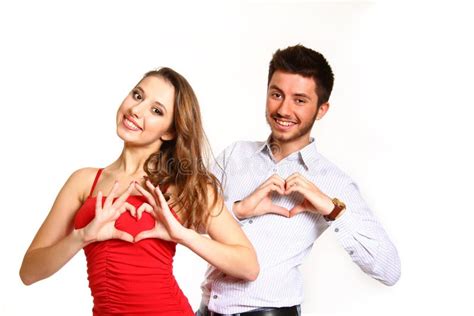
<point x="304" y="95"/>
<point x="273" y="86"/>
<point x="300" y="94"/>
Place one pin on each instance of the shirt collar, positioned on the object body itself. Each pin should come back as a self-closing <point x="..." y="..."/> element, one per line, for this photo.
<point x="307" y="155"/>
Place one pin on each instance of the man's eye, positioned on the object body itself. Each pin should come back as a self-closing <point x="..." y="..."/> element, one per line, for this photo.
<point x="300" y="101"/>
<point x="276" y="95"/>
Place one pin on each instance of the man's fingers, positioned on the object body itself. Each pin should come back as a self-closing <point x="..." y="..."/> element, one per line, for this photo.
<point x="296" y="210"/>
<point x="295" y="181"/>
<point x="275" y="209"/>
<point x="295" y="175"/>
<point x="296" y="187"/>
<point x="276" y="180"/>
<point x="278" y="189"/>
<point x="264" y="191"/>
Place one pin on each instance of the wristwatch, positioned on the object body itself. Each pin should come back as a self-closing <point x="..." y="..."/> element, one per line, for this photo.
<point x="339" y="206"/>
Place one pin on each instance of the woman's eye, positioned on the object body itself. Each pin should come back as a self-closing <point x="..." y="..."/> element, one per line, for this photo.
<point x="137" y="96"/>
<point x="157" y="111"/>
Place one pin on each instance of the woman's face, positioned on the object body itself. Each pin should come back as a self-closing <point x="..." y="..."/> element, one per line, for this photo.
<point x="145" y="116"/>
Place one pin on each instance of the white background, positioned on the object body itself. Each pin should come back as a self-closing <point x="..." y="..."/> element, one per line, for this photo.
<point x="399" y="125"/>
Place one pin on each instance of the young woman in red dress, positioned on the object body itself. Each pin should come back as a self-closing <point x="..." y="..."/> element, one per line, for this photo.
<point x="129" y="216"/>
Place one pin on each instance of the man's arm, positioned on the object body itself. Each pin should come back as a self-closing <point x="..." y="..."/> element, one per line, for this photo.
<point x="356" y="228"/>
<point x="364" y="238"/>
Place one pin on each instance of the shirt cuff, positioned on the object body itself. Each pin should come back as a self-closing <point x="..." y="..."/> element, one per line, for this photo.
<point x="229" y="205"/>
<point x="345" y="227"/>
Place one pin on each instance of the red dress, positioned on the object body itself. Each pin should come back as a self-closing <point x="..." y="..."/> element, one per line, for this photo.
<point x="131" y="278"/>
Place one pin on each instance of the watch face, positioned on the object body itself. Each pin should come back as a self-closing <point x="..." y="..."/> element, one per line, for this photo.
<point x="339" y="204"/>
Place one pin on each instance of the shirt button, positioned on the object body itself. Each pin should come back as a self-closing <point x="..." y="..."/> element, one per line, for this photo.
<point x="336" y="230"/>
<point x="250" y="221"/>
<point x="214" y="297"/>
<point x="351" y="252"/>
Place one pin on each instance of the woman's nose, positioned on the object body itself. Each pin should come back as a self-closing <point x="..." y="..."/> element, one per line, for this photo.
<point x="135" y="110"/>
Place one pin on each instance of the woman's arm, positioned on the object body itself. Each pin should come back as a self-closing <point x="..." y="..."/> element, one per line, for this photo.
<point x="55" y="242"/>
<point x="229" y="250"/>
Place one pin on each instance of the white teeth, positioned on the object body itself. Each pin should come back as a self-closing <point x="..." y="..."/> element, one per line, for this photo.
<point x="284" y="123"/>
<point x="131" y="125"/>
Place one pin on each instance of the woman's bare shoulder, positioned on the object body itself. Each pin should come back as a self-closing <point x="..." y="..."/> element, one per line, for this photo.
<point x="82" y="180"/>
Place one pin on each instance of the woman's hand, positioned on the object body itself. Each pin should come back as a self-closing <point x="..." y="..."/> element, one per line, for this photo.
<point x="167" y="226"/>
<point x="102" y="227"/>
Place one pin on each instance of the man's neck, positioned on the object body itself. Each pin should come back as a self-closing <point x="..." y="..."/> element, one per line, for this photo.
<point x="281" y="150"/>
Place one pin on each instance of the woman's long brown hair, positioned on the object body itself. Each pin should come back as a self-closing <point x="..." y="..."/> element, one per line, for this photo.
<point x="181" y="162"/>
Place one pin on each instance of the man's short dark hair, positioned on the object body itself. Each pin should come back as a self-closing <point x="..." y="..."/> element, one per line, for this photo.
<point x="307" y="63"/>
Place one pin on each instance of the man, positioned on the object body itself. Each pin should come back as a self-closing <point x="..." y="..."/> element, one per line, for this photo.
<point x="286" y="194"/>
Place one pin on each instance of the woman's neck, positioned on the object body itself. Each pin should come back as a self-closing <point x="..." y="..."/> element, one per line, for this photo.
<point x="132" y="160"/>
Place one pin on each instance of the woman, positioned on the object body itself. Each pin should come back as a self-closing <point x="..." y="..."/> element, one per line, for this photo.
<point x="129" y="236"/>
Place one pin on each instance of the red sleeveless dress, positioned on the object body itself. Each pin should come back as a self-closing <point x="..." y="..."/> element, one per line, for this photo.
<point x="131" y="278"/>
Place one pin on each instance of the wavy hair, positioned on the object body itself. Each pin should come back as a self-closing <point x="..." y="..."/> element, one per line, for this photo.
<point x="181" y="162"/>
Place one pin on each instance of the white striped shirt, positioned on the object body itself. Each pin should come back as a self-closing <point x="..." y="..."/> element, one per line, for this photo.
<point x="282" y="243"/>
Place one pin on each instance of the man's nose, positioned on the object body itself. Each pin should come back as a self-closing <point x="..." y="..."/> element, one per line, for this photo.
<point x="285" y="108"/>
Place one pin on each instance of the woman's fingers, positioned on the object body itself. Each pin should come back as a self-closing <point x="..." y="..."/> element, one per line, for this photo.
<point x="160" y="196"/>
<point x="110" y="197"/>
<point x="127" y="207"/>
<point x="120" y="234"/>
<point x="151" y="188"/>
<point x="146" y="194"/>
<point x="121" y="199"/>
<point x="152" y="233"/>
<point x="98" y="202"/>
<point x="165" y="210"/>
<point x="145" y="207"/>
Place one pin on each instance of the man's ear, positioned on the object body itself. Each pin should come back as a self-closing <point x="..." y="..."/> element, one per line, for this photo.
<point x="322" y="110"/>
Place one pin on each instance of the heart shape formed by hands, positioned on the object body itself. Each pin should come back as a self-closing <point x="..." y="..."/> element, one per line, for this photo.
<point x="125" y="222"/>
<point x="132" y="225"/>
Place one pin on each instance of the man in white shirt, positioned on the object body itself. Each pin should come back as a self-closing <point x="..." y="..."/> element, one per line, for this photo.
<point x="285" y="194"/>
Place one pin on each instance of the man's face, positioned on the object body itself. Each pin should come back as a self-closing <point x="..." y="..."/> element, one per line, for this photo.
<point x="291" y="107"/>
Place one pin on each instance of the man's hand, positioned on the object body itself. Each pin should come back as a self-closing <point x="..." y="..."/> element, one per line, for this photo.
<point x="314" y="200"/>
<point x="260" y="202"/>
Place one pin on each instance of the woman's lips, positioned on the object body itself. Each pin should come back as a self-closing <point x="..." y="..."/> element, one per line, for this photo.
<point x="130" y="124"/>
